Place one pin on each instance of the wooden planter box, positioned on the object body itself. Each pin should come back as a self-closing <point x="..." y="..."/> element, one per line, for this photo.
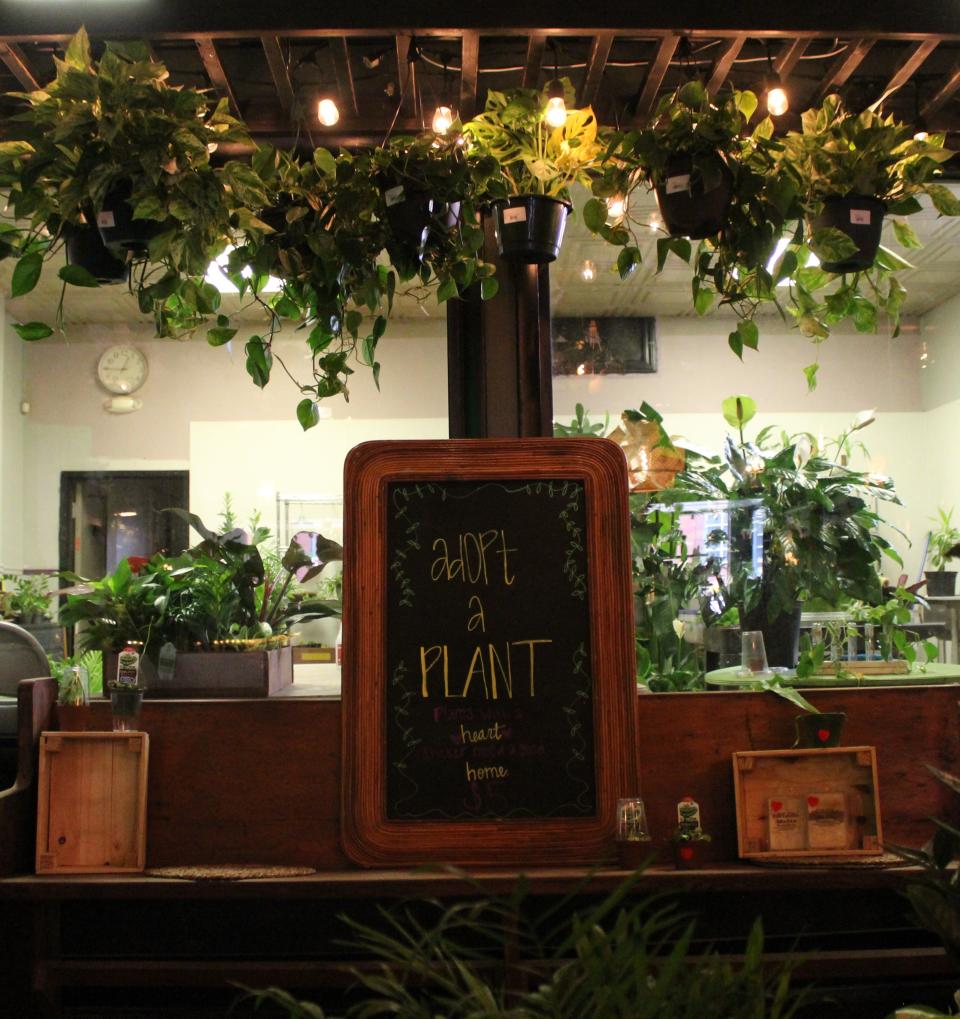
<point x="216" y="674"/>
<point x="807" y="804"/>
<point x="314" y="655"/>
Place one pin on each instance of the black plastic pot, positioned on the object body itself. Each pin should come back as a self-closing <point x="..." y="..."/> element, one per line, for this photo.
<point x="781" y="635"/>
<point x="687" y="208"/>
<point x="85" y="248"/>
<point x="117" y="226"/>
<point x="941" y="583"/>
<point x="529" y="228"/>
<point x="861" y="219"/>
<point x="409" y="217"/>
<point x="820" y="729"/>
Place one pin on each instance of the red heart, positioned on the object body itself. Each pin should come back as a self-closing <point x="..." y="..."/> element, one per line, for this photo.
<point x="686" y="852"/>
<point x="823" y="735"/>
<point x="813" y="800"/>
<point x="775" y="805"/>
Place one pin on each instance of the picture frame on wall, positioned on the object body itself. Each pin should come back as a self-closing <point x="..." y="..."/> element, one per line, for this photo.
<point x="591" y="345"/>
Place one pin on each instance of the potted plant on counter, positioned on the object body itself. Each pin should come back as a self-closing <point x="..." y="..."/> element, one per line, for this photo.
<point x="944" y="546"/>
<point x="530" y="197"/>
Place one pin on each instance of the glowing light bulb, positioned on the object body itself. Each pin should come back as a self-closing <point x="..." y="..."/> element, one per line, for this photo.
<point x="556" y="113"/>
<point x="442" y="119"/>
<point x="588" y="271"/>
<point x="921" y="134"/>
<point x="655" y="224"/>
<point x="616" y="207"/>
<point x="327" y="112"/>
<point x="777" y="101"/>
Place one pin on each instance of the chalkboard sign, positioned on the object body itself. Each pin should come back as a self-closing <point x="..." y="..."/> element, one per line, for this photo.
<point x="488" y="691"/>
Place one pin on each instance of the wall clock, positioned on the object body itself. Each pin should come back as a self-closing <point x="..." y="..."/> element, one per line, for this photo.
<point x="122" y="369"/>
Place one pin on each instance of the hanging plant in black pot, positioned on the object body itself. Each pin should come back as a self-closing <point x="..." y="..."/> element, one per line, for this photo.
<point x="860" y="218"/>
<point x="694" y="195"/>
<point x="85" y="248"/>
<point x="117" y="225"/>
<point x="541" y="148"/>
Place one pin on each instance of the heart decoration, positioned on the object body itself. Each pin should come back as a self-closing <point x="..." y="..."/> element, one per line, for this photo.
<point x="823" y="735"/>
<point x="813" y="800"/>
<point x="686" y="852"/>
<point x="775" y="805"/>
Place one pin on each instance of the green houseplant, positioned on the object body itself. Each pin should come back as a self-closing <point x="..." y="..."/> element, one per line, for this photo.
<point x="530" y="196"/>
<point x="820" y="538"/>
<point x="944" y="546"/>
<point x="110" y="143"/>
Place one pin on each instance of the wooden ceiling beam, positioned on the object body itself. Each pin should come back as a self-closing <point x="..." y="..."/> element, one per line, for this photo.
<point x="535" y="47"/>
<point x="279" y="72"/>
<point x="724" y="63"/>
<point x="13" y="57"/>
<point x="790" y="53"/>
<point x="596" y="62"/>
<point x="909" y="66"/>
<point x="655" y="75"/>
<point x="207" y="49"/>
<point x="406" y="76"/>
<point x="944" y="93"/>
<point x="340" y="54"/>
<point x="837" y="76"/>
<point x="469" y="74"/>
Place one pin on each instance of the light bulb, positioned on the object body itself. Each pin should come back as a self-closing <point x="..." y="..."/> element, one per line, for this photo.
<point x="921" y="134"/>
<point x="777" y="101"/>
<point x="327" y="112"/>
<point x="654" y="224"/>
<point x="556" y="113"/>
<point x="588" y="271"/>
<point x="442" y="119"/>
<point x="616" y="207"/>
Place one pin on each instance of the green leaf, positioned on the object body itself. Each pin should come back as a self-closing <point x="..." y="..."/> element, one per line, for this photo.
<point x="219" y="335"/>
<point x="832" y="245"/>
<point x="735" y="342"/>
<point x="446" y="290"/>
<point x="738" y="410"/>
<point x="489" y="286"/>
<point x="749" y="333"/>
<point x="259" y="361"/>
<point x="628" y="260"/>
<point x="905" y="234"/>
<point x="26" y="273"/>
<point x="308" y="413"/>
<point x="944" y="200"/>
<point x="33" y="330"/>
<point x="77" y="276"/>
<point x="78" y="51"/>
<point x="702" y="300"/>
<point x="811" y="373"/>
<point x="595" y="215"/>
<point x="324" y="162"/>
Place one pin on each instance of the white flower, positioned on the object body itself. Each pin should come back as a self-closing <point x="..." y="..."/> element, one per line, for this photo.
<point x="678" y="628"/>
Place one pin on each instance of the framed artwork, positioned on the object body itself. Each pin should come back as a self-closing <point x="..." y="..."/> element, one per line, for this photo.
<point x="586" y="345"/>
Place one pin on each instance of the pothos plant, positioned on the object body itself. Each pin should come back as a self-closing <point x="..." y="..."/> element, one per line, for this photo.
<point x="116" y="123"/>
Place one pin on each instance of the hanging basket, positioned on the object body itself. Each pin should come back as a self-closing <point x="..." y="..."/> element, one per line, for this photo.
<point x="409" y="217"/>
<point x="117" y="226"/>
<point x="860" y="217"/>
<point x="85" y="248"/>
<point x="687" y="208"/>
<point x="529" y="228"/>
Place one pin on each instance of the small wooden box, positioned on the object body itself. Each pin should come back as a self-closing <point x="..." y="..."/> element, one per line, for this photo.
<point x="814" y="803"/>
<point x="92" y="809"/>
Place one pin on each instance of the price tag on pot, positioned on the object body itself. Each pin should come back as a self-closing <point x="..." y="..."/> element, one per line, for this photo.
<point x="106" y="220"/>
<point x="394" y="196"/>
<point x="860" y="216"/>
<point x="679" y="183"/>
<point x="516" y="215"/>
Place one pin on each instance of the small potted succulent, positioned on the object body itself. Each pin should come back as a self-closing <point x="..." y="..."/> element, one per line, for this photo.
<point x="73" y="695"/>
<point x="530" y="196"/>
<point x="944" y="546"/>
<point x="688" y="837"/>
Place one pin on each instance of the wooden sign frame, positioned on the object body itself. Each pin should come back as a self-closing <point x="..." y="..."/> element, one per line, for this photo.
<point x="369" y="836"/>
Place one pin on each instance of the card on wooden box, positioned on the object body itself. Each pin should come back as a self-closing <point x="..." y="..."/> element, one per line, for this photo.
<point x="828" y="821"/>
<point x="786" y="819"/>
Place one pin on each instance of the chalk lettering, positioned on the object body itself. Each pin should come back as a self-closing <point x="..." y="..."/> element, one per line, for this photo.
<point x="468" y="562"/>
<point x="484" y="774"/>
<point x="504" y="667"/>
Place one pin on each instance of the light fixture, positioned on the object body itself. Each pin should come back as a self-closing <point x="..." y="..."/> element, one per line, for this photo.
<point x="588" y="271"/>
<point x="327" y="112"/>
<point x="616" y="207"/>
<point x="921" y="134"/>
<point x="556" y="112"/>
<point x="920" y="131"/>
<point x="778" y="102"/>
<point x="442" y="119"/>
<point x="215" y="274"/>
<point x="655" y="224"/>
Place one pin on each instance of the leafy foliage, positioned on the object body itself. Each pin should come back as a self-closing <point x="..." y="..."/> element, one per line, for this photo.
<point x="944" y="539"/>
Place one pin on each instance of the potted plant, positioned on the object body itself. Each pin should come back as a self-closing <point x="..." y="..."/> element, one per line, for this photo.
<point x="819" y="530"/>
<point x="944" y="545"/>
<point x="211" y="620"/>
<point x="110" y="144"/>
<point x="73" y="692"/>
<point x="851" y="169"/>
<point x="530" y="197"/>
<point x="688" y="838"/>
<point x="26" y="601"/>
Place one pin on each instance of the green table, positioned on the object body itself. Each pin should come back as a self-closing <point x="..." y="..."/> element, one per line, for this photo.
<point x="935" y="674"/>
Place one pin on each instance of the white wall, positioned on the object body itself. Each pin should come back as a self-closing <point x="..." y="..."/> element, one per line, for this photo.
<point x="11" y="447"/>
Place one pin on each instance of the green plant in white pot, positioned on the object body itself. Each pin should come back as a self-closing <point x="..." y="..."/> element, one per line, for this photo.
<point x="944" y="546"/>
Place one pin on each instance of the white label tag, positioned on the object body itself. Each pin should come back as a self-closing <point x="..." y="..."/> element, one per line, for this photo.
<point x="106" y="220"/>
<point x="678" y="183"/>
<point x="517" y="215"/>
<point x="860" y="216"/>
<point x="393" y="196"/>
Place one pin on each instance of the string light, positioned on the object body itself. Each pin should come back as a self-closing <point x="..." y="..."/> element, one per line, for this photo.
<point x="778" y="102"/>
<point x="655" y="223"/>
<point x="442" y="119"/>
<point x="556" y="112"/>
<point x="327" y="112"/>
<point x="616" y="207"/>
<point x="588" y="271"/>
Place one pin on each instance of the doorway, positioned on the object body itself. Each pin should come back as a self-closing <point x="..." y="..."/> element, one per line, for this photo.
<point x="106" y="516"/>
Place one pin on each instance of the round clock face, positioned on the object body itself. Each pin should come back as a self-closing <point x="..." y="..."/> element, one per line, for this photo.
<point x="122" y="369"/>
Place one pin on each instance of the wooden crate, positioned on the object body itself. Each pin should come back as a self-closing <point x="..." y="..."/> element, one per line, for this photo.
<point x="92" y="808"/>
<point x="874" y="667"/>
<point x="806" y="804"/>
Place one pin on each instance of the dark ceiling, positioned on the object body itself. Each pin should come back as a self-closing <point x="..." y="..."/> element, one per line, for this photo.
<point x="273" y="77"/>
